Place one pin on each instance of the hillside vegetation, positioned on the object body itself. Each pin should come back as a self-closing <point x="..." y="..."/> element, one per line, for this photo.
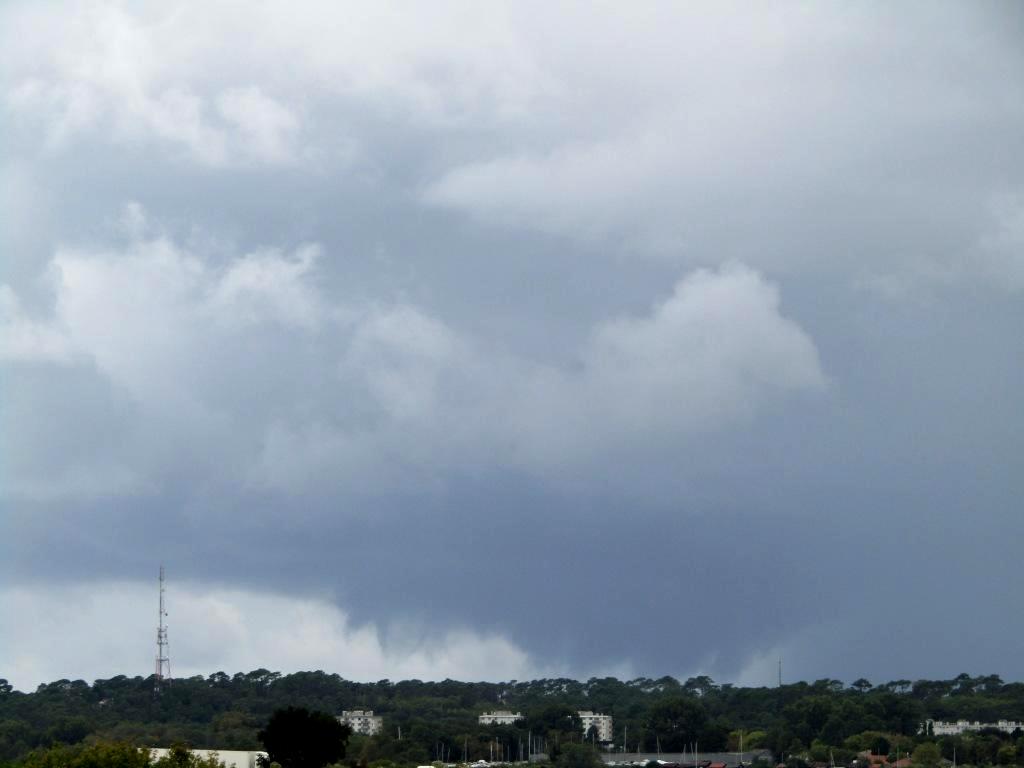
<point x="438" y="720"/>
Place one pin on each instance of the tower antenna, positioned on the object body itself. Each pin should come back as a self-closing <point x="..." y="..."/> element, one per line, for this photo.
<point x="163" y="658"/>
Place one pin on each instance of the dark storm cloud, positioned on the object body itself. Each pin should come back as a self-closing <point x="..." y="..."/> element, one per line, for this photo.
<point x="673" y="360"/>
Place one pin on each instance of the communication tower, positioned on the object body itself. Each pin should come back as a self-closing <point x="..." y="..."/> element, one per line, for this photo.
<point x="163" y="659"/>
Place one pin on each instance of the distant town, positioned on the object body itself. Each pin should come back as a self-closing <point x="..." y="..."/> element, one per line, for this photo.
<point x="228" y="720"/>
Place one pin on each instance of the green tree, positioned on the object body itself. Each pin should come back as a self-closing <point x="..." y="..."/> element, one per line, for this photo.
<point x="180" y="756"/>
<point x="16" y="738"/>
<point x="714" y="736"/>
<point x="578" y="756"/>
<point x="298" y="738"/>
<point x="880" y="745"/>
<point x="1007" y="755"/>
<point x="927" y="755"/>
<point x="98" y="755"/>
<point x="700" y="686"/>
<point x="69" y="730"/>
<point x="677" y="722"/>
<point x="554" y="717"/>
<point x="819" y="751"/>
<point x="808" y="716"/>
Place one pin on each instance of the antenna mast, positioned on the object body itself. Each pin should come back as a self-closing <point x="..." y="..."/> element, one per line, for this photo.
<point x="163" y="659"/>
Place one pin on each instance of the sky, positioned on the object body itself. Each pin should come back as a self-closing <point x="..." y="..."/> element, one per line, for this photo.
<point x="498" y="341"/>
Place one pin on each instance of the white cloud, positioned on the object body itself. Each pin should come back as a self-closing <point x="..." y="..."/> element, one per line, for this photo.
<point x="189" y="77"/>
<point x="629" y="128"/>
<point x="255" y="376"/>
<point x="179" y="346"/>
<point x="708" y="352"/>
<point x="268" y="129"/>
<point x="994" y="259"/>
<point x="270" y="285"/>
<point x="146" y="315"/>
<point x="105" y="71"/>
<point x="136" y="77"/>
<point x="704" y="359"/>
<point x="399" y="353"/>
<point x="710" y="123"/>
<point x="221" y="629"/>
<point x="575" y="189"/>
<point x="28" y="340"/>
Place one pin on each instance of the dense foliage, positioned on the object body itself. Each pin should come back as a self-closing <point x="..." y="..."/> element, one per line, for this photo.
<point x="294" y="737"/>
<point x="814" y="721"/>
<point x="103" y="754"/>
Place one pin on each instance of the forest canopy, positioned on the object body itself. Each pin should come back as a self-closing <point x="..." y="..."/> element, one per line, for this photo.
<point x="425" y="721"/>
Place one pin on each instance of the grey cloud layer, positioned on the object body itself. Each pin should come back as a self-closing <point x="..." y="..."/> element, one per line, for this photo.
<point x="286" y="388"/>
<point x="701" y="313"/>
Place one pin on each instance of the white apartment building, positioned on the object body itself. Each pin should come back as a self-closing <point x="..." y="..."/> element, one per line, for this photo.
<point x="501" y="717"/>
<point x="362" y="721"/>
<point x="230" y="757"/>
<point x="942" y="728"/>
<point x="603" y="724"/>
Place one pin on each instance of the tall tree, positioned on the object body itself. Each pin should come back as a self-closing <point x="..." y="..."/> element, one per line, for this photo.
<point x="677" y="722"/>
<point x="927" y="755"/>
<point x="297" y="738"/>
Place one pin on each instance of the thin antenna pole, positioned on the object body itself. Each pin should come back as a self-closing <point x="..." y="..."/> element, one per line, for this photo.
<point x="163" y="658"/>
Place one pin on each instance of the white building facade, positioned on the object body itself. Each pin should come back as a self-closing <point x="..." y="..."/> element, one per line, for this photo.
<point x="603" y="724"/>
<point x="230" y="757"/>
<point x="501" y="717"/>
<point x="362" y="721"/>
<point x="942" y="728"/>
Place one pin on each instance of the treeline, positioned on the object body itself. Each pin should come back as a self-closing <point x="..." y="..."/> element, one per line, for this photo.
<point x="425" y="721"/>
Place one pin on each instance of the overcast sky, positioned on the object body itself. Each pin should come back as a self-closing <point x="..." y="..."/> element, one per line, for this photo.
<point x="496" y="341"/>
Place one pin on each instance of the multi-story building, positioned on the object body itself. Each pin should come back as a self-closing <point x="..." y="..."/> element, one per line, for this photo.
<point x="941" y="728"/>
<point x="362" y="721"/>
<point x="500" y="717"/>
<point x="603" y="724"/>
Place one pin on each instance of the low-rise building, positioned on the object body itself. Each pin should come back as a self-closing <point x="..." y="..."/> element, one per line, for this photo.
<point x="362" y="721"/>
<point x="500" y="717"/>
<point x="232" y="758"/>
<point x="943" y="728"/>
<point x="603" y="724"/>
